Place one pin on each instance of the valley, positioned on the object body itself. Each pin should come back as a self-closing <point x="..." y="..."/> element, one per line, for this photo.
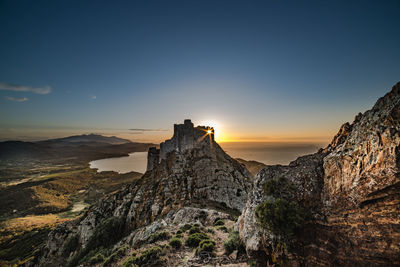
<point x="46" y="183"/>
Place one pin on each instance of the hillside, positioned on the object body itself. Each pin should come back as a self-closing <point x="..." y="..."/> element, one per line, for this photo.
<point x="43" y="184"/>
<point x="253" y="166"/>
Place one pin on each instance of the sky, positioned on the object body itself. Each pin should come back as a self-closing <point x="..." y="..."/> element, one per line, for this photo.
<point x="258" y="71"/>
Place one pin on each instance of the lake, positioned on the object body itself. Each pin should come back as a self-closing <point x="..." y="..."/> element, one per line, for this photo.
<point x="267" y="153"/>
<point x="136" y="161"/>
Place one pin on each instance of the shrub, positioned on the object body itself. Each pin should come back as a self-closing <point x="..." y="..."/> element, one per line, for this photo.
<point x="194" y="239"/>
<point x="176" y="243"/>
<point x="223" y="229"/>
<point x="185" y="227"/>
<point x="95" y="256"/>
<point x="279" y="188"/>
<point x="96" y="259"/>
<point x="179" y="232"/>
<point x="178" y="236"/>
<point x="210" y="230"/>
<point x="194" y="229"/>
<point x="234" y="243"/>
<point x="149" y="256"/>
<point x="158" y="236"/>
<point x="130" y="262"/>
<point x="281" y="217"/>
<point x="252" y="263"/>
<point x="116" y="255"/>
<point x="219" y="222"/>
<point x="206" y="245"/>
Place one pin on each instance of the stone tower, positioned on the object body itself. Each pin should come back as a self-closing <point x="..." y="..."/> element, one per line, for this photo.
<point x="185" y="137"/>
<point x="153" y="157"/>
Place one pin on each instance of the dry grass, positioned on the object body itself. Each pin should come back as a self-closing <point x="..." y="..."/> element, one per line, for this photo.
<point x="35" y="221"/>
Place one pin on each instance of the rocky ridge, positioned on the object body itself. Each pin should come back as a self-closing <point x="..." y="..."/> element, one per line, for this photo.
<point x="352" y="190"/>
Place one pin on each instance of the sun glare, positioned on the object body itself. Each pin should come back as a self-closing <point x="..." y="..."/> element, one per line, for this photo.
<point x="216" y="131"/>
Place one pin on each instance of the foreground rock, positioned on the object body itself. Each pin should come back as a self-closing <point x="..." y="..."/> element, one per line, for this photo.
<point x="351" y="189"/>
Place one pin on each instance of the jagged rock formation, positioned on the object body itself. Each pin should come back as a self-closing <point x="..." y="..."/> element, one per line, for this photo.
<point x="352" y="189"/>
<point x="192" y="171"/>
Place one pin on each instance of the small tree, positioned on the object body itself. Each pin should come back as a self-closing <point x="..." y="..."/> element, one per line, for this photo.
<point x="280" y="216"/>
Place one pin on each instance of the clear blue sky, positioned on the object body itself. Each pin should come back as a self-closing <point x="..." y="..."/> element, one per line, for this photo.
<point x="262" y="70"/>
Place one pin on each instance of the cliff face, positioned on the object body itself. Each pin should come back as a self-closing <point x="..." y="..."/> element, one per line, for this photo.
<point x="361" y="194"/>
<point x="351" y="188"/>
<point x="192" y="171"/>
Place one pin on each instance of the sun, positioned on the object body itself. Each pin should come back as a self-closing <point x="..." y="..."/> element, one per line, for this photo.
<point x="215" y="129"/>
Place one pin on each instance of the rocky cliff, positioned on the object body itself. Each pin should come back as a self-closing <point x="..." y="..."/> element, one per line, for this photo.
<point x="351" y="190"/>
<point x="190" y="170"/>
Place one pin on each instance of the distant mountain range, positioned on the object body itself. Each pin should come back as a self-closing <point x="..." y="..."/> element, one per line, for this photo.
<point x="80" y="148"/>
<point x="91" y="138"/>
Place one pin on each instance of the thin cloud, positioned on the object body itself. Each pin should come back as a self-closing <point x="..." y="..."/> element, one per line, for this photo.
<point x="148" y="130"/>
<point x="17" y="99"/>
<point x="21" y="88"/>
<point x="93" y="97"/>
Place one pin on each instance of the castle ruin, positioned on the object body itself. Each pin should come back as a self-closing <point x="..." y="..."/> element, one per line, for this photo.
<point x="185" y="137"/>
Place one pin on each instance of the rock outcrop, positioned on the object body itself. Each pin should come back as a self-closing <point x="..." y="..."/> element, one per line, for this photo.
<point x="192" y="171"/>
<point x="351" y="188"/>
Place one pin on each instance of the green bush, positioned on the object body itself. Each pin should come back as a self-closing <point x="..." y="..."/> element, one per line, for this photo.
<point x="185" y="227"/>
<point x="281" y="217"/>
<point x="194" y="239"/>
<point x="210" y="230"/>
<point x="176" y="243"/>
<point x="149" y="256"/>
<point x="96" y="259"/>
<point x="222" y="228"/>
<point x="206" y="245"/>
<point x="194" y="229"/>
<point x="279" y="188"/>
<point x="130" y="262"/>
<point x="252" y="263"/>
<point x="179" y="232"/>
<point x="234" y="243"/>
<point x="178" y="236"/>
<point x="116" y="255"/>
<point x="219" y="222"/>
<point x="158" y="236"/>
<point x="95" y="256"/>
